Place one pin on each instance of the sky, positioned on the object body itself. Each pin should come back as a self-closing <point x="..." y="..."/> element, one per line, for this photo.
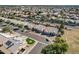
<point x="39" y="2"/>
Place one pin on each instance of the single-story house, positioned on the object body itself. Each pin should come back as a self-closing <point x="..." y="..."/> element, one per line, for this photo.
<point x="49" y="31"/>
<point x="12" y="45"/>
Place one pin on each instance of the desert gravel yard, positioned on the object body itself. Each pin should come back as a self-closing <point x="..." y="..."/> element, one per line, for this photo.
<point x="72" y="38"/>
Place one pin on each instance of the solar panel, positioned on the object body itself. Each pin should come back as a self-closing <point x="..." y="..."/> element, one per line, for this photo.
<point x="8" y="43"/>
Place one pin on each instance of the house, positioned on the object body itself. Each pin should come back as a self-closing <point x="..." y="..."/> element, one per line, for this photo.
<point x="12" y="45"/>
<point x="77" y="22"/>
<point x="49" y="31"/>
<point x="8" y="44"/>
<point x="38" y="28"/>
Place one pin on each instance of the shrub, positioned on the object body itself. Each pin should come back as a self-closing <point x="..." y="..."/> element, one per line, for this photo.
<point x="6" y="29"/>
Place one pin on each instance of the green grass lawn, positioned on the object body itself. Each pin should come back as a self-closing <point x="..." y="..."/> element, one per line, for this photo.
<point x="30" y="41"/>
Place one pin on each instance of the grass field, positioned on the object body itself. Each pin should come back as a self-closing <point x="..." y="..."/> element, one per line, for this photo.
<point x="72" y="38"/>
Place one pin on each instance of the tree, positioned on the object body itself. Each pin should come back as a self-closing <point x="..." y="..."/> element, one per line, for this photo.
<point x="62" y="25"/>
<point x="39" y="12"/>
<point x="64" y="47"/>
<point x="20" y="25"/>
<point x="48" y="49"/>
<point x="58" y="47"/>
<point x="59" y="40"/>
<point x="8" y="22"/>
<point x="6" y="29"/>
<point x="11" y="17"/>
<point x="62" y="15"/>
<point x="61" y="29"/>
<point x="1" y="20"/>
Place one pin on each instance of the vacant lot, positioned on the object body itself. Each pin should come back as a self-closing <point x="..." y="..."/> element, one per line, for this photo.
<point x="72" y="38"/>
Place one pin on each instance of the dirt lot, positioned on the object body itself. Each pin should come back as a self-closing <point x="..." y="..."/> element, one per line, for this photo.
<point x="72" y="38"/>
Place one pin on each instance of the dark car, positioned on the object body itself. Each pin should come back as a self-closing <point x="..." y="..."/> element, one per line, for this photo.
<point x="47" y="40"/>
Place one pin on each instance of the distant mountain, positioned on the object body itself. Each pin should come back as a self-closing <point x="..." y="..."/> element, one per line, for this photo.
<point x="49" y="6"/>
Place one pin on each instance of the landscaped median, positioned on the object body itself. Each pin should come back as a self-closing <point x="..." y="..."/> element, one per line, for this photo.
<point x="30" y="41"/>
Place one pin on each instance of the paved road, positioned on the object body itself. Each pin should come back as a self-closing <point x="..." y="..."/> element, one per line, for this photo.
<point x="34" y="36"/>
<point x="37" y="37"/>
<point x="37" y="49"/>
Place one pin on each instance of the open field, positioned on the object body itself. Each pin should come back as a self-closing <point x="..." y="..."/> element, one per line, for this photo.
<point x="72" y="38"/>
